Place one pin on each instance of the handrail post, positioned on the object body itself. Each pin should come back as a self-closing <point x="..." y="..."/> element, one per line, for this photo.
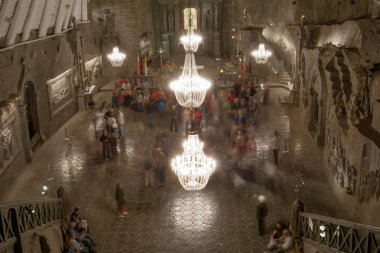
<point x="297" y="207"/>
<point x="16" y="229"/>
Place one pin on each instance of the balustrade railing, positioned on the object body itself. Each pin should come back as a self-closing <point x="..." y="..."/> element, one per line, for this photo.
<point x="22" y="219"/>
<point x="36" y="141"/>
<point x="338" y="235"/>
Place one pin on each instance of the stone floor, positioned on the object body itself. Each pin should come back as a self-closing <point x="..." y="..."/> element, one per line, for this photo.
<point x="220" y="218"/>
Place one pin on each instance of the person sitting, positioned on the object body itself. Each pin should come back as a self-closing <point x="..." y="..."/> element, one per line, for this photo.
<point x="73" y="246"/>
<point x="80" y="235"/>
<point x="81" y="224"/>
<point x="286" y="245"/>
<point x="277" y="235"/>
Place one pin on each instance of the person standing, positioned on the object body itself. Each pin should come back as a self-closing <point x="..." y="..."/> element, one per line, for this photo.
<point x="174" y="119"/>
<point x="159" y="164"/>
<point x="261" y="213"/>
<point x="148" y="169"/>
<point x="186" y="118"/>
<point x="120" y="200"/>
<point x="106" y="142"/>
<point x="113" y="140"/>
<point x="149" y="113"/>
<point x="120" y="122"/>
<point x="140" y="101"/>
<point x="276" y="147"/>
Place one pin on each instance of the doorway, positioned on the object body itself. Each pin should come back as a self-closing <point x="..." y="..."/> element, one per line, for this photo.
<point x="31" y="110"/>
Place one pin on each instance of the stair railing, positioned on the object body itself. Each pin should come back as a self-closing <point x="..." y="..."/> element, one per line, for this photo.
<point x="336" y="235"/>
<point x="21" y="220"/>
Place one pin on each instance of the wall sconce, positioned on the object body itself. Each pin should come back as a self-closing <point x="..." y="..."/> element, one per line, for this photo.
<point x="15" y="96"/>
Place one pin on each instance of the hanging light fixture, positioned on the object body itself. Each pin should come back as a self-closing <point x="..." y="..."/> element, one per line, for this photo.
<point x="191" y="41"/>
<point x="261" y="54"/>
<point x="116" y="58"/>
<point x="193" y="168"/>
<point x="190" y="89"/>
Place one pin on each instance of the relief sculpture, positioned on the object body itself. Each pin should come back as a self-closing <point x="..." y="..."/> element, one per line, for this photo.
<point x="369" y="187"/>
<point x="344" y="173"/>
<point x="8" y="141"/>
<point x="60" y="92"/>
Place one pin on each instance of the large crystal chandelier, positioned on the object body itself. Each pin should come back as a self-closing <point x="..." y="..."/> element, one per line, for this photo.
<point x="116" y="58"/>
<point x="190" y="89"/>
<point x="261" y="54"/>
<point x="191" y="41"/>
<point x="193" y="168"/>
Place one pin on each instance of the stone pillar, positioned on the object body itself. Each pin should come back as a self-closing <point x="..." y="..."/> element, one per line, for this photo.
<point x="320" y="137"/>
<point x="216" y="35"/>
<point x="177" y="18"/>
<point x="310" y="125"/>
<point x="24" y="132"/>
<point x="165" y="35"/>
<point x="165" y="18"/>
<point x="166" y="45"/>
<point x="297" y="207"/>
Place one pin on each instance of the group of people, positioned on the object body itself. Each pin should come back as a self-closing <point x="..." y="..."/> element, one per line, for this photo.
<point x="140" y="96"/>
<point x="114" y="129"/>
<point x="78" y="237"/>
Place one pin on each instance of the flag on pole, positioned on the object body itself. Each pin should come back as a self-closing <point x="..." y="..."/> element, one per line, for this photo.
<point x="244" y="66"/>
<point x="145" y="66"/>
<point x="138" y="66"/>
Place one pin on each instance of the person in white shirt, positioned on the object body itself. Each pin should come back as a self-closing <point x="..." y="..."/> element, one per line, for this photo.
<point x="120" y="121"/>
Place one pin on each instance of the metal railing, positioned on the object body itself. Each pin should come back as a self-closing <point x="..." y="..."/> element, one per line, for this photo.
<point x="21" y="219"/>
<point x="338" y="235"/>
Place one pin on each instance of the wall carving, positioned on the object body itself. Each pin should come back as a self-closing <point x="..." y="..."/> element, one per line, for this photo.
<point x="94" y="69"/>
<point x="60" y="92"/>
<point x="369" y="187"/>
<point x="9" y="146"/>
<point x="344" y="173"/>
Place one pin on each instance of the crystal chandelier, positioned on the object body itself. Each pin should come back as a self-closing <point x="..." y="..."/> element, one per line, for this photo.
<point x="261" y="55"/>
<point x="193" y="168"/>
<point x="191" y="41"/>
<point x="190" y="89"/>
<point x="116" y="58"/>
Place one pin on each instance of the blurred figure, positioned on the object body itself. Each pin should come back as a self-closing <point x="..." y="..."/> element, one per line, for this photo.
<point x="276" y="147"/>
<point x="120" y="200"/>
<point x="148" y="169"/>
<point x="174" y="119"/>
<point x="120" y="122"/>
<point x="277" y="235"/>
<point x="105" y="139"/>
<point x="270" y="170"/>
<point x="261" y="213"/>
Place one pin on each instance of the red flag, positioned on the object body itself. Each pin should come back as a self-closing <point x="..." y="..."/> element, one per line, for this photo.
<point x="138" y="66"/>
<point x="244" y="66"/>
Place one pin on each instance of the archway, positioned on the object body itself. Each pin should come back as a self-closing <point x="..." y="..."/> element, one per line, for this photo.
<point x="30" y="101"/>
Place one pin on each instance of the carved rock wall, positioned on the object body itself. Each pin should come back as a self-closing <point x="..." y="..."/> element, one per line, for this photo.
<point x="352" y="144"/>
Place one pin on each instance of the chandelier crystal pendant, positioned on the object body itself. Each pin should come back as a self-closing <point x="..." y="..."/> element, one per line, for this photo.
<point x="190" y="89"/>
<point x="261" y="54"/>
<point x="116" y="58"/>
<point x="191" y="41"/>
<point x="193" y="167"/>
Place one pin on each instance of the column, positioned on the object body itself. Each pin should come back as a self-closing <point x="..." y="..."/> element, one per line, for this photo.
<point x="176" y="18"/>
<point x="24" y="132"/>
<point x="320" y="138"/>
<point x="216" y="35"/>
<point x="311" y="110"/>
<point x="165" y="35"/>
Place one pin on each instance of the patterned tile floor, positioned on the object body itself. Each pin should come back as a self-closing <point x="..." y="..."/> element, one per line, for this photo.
<point x="220" y="218"/>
